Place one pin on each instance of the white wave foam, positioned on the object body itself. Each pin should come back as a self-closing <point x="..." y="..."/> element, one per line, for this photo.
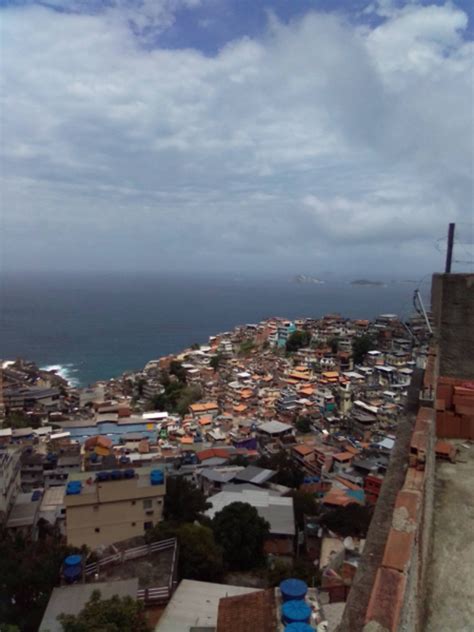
<point x="66" y="371"/>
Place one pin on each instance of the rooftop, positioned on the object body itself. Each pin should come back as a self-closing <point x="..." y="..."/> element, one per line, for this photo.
<point x="196" y="604"/>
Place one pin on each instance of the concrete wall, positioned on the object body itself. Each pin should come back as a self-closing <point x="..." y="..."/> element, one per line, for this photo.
<point x="452" y="304"/>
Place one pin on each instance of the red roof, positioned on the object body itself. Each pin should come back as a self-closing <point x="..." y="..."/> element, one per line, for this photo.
<point x="254" y="611"/>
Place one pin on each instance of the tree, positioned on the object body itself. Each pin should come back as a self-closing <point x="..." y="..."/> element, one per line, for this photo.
<point x="352" y="520"/>
<point x="246" y="347"/>
<point x="117" y="614"/>
<point x="216" y="361"/>
<point x="183" y="501"/>
<point x="177" y="369"/>
<point x="299" y="569"/>
<point x="199" y="556"/>
<point x="29" y="571"/>
<point x="195" y="346"/>
<point x="297" y="340"/>
<point x="360" y="346"/>
<point x="334" y="344"/>
<point x="288" y="472"/>
<point x="303" y="424"/>
<point x="304" y="504"/>
<point x="241" y="532"/>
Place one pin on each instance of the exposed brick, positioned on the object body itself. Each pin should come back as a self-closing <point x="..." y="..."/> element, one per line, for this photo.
<point x="418" y="443"/>
<point x="398" y="550"/>
<point x="386" y="599"/>
<point x="410" y="500"/>
<point x="414" y="479"/>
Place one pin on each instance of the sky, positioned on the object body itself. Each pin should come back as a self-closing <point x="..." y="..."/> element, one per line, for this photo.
<point x="284" y="137"/>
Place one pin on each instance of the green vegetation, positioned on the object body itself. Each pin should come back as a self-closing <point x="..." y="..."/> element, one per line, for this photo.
<point x="117" y="614"/>
<point x="304" y="504"/>
<point x="303" y="424"/>
<point x="299" y="569"/>
<point x="297" y="340"/>
<point x="199" y="556"/>
<point x="30" y="570"/>
<point x="288" y="472"/>
<point x="19" y="419"/>
<point x="246" y="347"/>
<point x="241" y="532"/>
<point x="216" y="361"/>
<point x="334" y="344"/>
<point x="178" y="396"/>
<point x="183" y="501"/>
<point x="360" y="346"/>
<point x="352" y="520"/>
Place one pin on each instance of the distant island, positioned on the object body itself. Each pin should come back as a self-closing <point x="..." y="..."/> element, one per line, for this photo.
<point x="306" y="278"/>
<point x="367" y="282"/>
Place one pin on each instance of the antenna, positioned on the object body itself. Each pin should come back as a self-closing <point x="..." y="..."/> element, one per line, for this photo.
<point x="420" y="308"/>
<point x="449" y="252"/>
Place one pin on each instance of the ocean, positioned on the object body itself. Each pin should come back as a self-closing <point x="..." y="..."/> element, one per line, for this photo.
<point x="91" y="327"/>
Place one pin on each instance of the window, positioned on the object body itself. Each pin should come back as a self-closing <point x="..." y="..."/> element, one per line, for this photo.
<point x="134" y="524"/>
<point x="147" y="503"/>
<point x="159" y="501"/>
<point x="147" y="525"/>
<point x="96" y="507"/>
<point x="134" y="502"/>
<point x="97" y="529"/>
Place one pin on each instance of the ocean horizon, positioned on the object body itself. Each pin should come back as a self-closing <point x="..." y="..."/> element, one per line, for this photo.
<point x="92" y="327"/>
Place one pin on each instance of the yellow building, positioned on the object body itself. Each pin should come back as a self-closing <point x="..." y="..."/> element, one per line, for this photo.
<point x="107" y="507"/>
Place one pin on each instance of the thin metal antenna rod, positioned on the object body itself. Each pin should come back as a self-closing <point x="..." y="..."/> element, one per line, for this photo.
<point x="449" y="253"/>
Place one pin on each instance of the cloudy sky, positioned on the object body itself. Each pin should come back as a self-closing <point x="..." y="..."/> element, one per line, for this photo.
<point x="235" y="135"/>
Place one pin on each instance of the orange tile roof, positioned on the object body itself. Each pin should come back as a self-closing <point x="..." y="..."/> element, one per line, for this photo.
<point x="344" y="456"/>
<point x="205" y="421"/>
<point x="246" y="393"/>
<point x="303" y="449"/>
<point x="203" y="407"/>
<point x="187" y="440"/>
<point x="240" y="408"/>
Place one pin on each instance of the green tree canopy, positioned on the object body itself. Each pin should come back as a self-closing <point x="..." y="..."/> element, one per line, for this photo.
<point x="303" y="424"/>
<point x="216" y="361"/>
<point x="199" y="557"/>
<point x="304" y="504"/>
<point x="241" y="532"/>
<point x="29" y="571"/>
<point x="297" y="340"/>
<point x="334" y="344"/>
<point x="117" y="614"/>
<point x="288" y="472"/>
<point x="352" y="520"/>
<point x="183" y="501"/>
<point x="360" y="346"/>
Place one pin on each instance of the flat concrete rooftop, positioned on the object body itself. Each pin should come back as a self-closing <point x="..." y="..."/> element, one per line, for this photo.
<point x="450" y="574"/>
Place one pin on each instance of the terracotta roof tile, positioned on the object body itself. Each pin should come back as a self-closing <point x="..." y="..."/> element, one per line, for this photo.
<point x="241" y="613"/>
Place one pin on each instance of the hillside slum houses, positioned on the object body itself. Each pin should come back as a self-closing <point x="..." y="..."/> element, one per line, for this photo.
<point x="331" y="408"/>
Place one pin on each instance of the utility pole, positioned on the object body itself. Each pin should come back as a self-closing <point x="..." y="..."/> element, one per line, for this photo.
<point x="449" y="253"/>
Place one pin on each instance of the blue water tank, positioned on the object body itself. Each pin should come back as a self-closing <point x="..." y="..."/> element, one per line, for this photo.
<point x="72" y="573"/>
<point x="103" y="476"/>
<point x="129" y="473"/>
<point x="157" y="477"/>
<point x="299" y="627"/>
<point x="73" y="560"/>
<point x="296" y="611"/>
<point x="293" y="589"/>
<point x="36" y="495"/>
<point x="116" y="475"/>
<point x="73" y="488"/>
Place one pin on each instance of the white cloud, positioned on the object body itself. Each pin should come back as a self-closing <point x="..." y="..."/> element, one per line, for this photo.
<point x="319" y="134"/>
